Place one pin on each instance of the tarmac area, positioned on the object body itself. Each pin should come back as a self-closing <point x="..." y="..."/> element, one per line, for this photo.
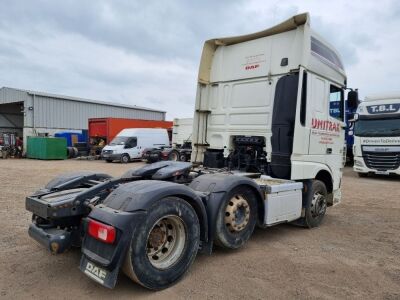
<point x="354" y="254"/>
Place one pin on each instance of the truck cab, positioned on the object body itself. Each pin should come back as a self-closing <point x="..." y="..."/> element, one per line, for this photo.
<point x="377" y="135"/>
<point x="263" y="105"/>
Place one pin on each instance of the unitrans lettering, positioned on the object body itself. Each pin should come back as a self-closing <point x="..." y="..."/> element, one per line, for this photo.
<point x="325" y="125"/>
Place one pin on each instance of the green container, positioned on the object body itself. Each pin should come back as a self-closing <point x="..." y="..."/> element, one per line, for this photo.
<point x="47" y="148"/>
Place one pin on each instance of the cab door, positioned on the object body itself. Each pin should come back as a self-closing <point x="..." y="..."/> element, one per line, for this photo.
<point x="335" y="134"/>
<point x="131" y="147"/>
<point x="317" y="116"/>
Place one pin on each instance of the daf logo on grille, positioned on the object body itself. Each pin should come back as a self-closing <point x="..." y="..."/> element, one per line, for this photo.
<point x="381" y="149"/>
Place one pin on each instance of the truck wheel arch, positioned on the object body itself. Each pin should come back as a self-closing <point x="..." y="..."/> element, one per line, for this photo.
<point x="325" y="177"/>
<point x="217" y="185"/>
<point x="141" y="195"/>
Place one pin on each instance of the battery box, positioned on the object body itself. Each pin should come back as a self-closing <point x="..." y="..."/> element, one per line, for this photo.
<point x="283" y="199"/>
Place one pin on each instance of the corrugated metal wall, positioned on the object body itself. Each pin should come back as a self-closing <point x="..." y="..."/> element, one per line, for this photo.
<point x="49" y="112"/>
<point x="8" y="95"/>
<point x="58" y="113"/>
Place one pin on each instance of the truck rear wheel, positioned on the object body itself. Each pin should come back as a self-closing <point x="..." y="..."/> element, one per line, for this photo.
<point x="164" y="247"/>
<point x="174" y="155"/>
<point x="316" y="204"/>
<point x="182" y="157"/>
<point x="236" y="218"/>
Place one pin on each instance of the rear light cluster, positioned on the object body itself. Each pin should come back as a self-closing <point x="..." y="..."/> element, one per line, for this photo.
<point x="101" y="232"/>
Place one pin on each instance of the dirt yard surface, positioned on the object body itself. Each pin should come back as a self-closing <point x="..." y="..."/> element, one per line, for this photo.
<point x="354" y="254"/>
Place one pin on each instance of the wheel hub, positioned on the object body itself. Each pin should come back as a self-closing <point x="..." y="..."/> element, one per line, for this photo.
<point x="237" y="214"/>
<point x="166" y="242"/>
<point x="174" y="156"/>
<point x="157" y="237"/>
<point x="318" y="205"/>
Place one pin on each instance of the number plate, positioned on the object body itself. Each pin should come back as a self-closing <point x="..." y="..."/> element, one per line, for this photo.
<point x="96" y="273"/>
<point x="382" y="172"/>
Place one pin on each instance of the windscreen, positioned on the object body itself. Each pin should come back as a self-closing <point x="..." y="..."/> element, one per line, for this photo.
<point x="119" y="140"/>
<point x="377" y="127"/>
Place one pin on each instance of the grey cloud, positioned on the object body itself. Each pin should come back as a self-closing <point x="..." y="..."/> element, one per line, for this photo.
<point x="169" y="28"/>
<point x="147" y="53"/>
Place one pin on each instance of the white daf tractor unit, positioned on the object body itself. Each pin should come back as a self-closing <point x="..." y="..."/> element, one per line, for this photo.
<point x="182" y="132"/>
<point x="377" y="135"/>
<point x="263" y="105"/>
<point x="266" y="151"/>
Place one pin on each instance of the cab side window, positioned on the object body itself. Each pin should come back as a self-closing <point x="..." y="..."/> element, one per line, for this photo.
<point x="336" y="102"/>
<point x="132" y="142"/>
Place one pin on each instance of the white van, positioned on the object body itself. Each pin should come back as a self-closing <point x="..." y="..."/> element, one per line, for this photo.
<point x="130" y="143"/>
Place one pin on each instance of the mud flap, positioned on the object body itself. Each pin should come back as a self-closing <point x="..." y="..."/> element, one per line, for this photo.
<point x="306" y="202"/>
<point x="101" y="275"/>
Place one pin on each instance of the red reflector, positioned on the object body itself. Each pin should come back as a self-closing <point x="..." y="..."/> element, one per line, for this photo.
<point x="102" y="232"/>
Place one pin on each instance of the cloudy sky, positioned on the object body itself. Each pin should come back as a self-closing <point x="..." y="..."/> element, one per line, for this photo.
<point x="147" y="52"/>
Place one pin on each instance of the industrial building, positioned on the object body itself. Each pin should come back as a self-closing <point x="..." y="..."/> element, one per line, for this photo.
<point x="30" y="113"/>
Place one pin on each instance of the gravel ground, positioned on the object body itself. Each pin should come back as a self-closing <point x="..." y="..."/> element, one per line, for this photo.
<point x="354" y="254"/>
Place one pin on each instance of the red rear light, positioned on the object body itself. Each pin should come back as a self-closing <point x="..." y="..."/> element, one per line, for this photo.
<point x="102" y="232"/>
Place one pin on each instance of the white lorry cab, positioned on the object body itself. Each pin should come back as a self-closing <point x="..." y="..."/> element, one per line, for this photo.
<point x="182" y="132"/>
<point x="377" y="135"/>
<point x="263" y="105"/>
<point x="266" y="151"/>
<point x="130" y="143"/>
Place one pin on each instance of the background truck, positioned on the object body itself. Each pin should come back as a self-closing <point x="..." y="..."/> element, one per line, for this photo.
<point x="377" y="135"/>
<point x="349" y="131"/>
<point x="181" y="149"/>
<point x="103" y="130"/>
<point x="182" y="132"/>
<point x="266" y="151"/>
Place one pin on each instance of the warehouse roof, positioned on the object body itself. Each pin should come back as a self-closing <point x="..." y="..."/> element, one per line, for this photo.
<point x="56" y="96"/>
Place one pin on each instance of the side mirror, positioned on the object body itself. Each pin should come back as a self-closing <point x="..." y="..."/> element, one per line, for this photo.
<point x="352" y="99"/>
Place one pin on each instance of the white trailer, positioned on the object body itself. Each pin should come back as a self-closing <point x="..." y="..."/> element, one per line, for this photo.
<point x="377" y="135"/>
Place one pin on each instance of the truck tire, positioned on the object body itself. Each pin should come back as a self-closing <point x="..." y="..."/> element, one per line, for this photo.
<point x="316" y="204"/>
<point x="125" y="158"/>
<point x="163" y="248"/>
<point x="362" y="175"/>
<point x="154" y="159"/>
<point x="72" y="152"/>
<point x="182" y="157"/>
<point x="237" y="217"/>
<point x="174" y="155"/>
